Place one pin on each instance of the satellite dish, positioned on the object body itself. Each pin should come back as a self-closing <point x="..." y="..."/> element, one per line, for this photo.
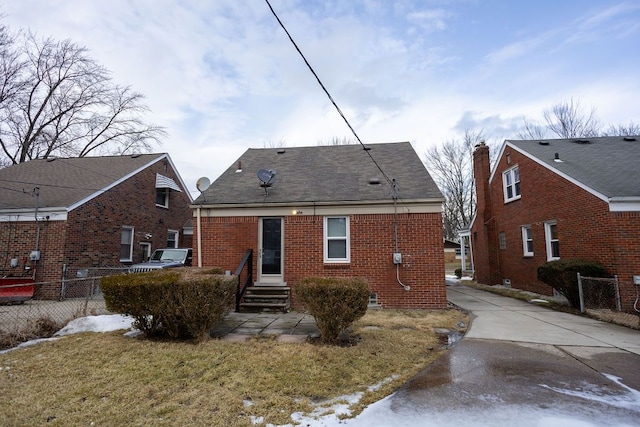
<point x="203" y="183"/>
<point x="266" y="177"/>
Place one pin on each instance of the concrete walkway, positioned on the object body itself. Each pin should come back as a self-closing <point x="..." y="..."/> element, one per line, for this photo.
<point x="284" y="327"/>
<point x="496" y="317"/>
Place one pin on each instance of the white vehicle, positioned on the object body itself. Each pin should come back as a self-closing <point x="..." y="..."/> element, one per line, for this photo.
<point x="165" y="258"/>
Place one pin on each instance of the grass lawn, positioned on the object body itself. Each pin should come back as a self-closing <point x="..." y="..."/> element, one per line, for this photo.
<point x="109" y="379"/>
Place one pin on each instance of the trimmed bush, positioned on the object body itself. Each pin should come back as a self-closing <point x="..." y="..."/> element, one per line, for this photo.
<point x="458" y="273"/>
<point x="179" y="303"/>
<point x="335" y="303"/>
<point x="562" y="276"/>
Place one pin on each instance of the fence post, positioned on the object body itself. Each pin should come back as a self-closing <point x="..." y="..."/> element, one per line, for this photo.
<point x="63" y="289"/>
<point x="580" y="293"/>
<point x="618" y="304"/>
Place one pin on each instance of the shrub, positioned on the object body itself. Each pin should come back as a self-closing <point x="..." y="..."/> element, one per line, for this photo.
<point x="42" y="327"/>
<point x="334" y="303"/>
<point x="179" y="303"/>
<point x="458" y="273"/>
<point x="562" y="276"/>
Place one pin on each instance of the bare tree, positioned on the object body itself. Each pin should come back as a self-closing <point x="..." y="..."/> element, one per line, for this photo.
<point x="568" y="120"/>
<point x="451" y="167"/>
<point x="274" y="144"/>
<point x="338" y="141"/>
<point x="631" y="129"/>
<point x="531" y="130"/>
<point x="59" y="101"/>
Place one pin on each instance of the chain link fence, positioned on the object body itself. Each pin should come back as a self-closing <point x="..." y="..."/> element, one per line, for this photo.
<point x="23" y="318"/>
<point x="598" y="293"/>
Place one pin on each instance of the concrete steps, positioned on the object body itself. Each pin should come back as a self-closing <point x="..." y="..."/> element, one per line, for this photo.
<point x="261" y="298"/>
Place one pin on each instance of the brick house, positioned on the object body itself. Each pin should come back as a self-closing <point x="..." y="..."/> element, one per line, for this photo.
<point x="74" y="213"/>
<point x="329" y="211"/>
<point x="561" y="198"/>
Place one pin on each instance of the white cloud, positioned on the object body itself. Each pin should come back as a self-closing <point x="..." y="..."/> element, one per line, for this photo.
<point x="222" y="76"/>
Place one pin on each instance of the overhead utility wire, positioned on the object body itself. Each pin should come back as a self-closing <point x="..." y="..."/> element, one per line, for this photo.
<point x="329" y="95"/>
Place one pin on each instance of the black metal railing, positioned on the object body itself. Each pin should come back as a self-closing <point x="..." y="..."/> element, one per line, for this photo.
<point x="245" y="264"/>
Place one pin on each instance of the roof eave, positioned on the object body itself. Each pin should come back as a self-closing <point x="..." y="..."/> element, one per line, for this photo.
<point x="389" y="202"/>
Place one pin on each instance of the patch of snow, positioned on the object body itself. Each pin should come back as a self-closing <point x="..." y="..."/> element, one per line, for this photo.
<point x="103" y="323"/>
<point x="27" y="344"/>
<point x="539" y="301"/>
<point x="376" y="387"/>
<point x="630" y="400"/>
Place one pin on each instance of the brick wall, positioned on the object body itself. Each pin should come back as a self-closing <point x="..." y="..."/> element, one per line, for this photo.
<point x="91" y="235"/>
<point x="18" y="239"/>
<point x="225" y="240"/>
<point x="95" y="228"/>
<point x="586" y="229"/>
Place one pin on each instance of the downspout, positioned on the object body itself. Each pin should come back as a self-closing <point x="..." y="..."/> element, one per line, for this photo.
<point x="199" y="238"/>
<point x="36" y="192"/>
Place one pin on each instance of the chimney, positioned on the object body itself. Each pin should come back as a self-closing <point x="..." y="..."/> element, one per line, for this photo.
<point x="481" y="172"/>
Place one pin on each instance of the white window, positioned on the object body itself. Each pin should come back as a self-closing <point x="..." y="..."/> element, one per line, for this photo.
<point x="373" y="299"/>
<point x="511" y="184"/>
<point x="126" y="244"/>
<point x="162" y="197"/>
<point x="172" y="239"/>
<point x="551" y="238"/>
<point x="336" y="239"/>
<point x="527" y="240"/>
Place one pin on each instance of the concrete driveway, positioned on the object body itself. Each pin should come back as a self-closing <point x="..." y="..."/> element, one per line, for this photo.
<point x="521" y="365"/>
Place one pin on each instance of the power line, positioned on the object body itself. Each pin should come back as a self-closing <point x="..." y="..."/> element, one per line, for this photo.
<point x="329" y="95"/>
<point x="45" y="185"/>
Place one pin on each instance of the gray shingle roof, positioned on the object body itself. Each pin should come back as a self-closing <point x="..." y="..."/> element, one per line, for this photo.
<point x="64" y="182"/>
<point x="324" y="174"/>
<point x="608" y="165"/>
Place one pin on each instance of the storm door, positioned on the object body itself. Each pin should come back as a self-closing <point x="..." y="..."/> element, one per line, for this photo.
<point x="270" y="253"/>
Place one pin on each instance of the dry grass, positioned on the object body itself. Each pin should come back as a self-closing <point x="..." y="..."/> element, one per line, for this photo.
<point x="109" y="379"/>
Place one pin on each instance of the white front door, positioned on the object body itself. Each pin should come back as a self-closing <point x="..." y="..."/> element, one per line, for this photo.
<point x="270" y="251"/>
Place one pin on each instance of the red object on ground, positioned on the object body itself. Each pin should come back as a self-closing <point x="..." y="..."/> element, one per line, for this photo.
<point x="16" y="289"/>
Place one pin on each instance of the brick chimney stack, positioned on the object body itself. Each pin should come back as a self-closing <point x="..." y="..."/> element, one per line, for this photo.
<point x="481" y="173"/>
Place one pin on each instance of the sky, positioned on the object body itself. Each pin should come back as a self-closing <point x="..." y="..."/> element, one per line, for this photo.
<point x="222" y="76"/>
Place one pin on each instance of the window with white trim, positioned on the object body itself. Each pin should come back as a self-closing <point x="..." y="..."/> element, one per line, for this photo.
<point x="551" y="238"/>
<point x="336" y="239"/>
<point x="162" y="197"/>
<point x="172" y="238"/>
<point x="126" y="244"/>
<point x="527" y="240"/>
<point x="511" y="184"/>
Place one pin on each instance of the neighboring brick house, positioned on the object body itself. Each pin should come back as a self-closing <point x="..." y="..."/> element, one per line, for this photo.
<point x="562" y="198"/>
<point x="329" y="211"/>
<point x="91" y="212"/>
